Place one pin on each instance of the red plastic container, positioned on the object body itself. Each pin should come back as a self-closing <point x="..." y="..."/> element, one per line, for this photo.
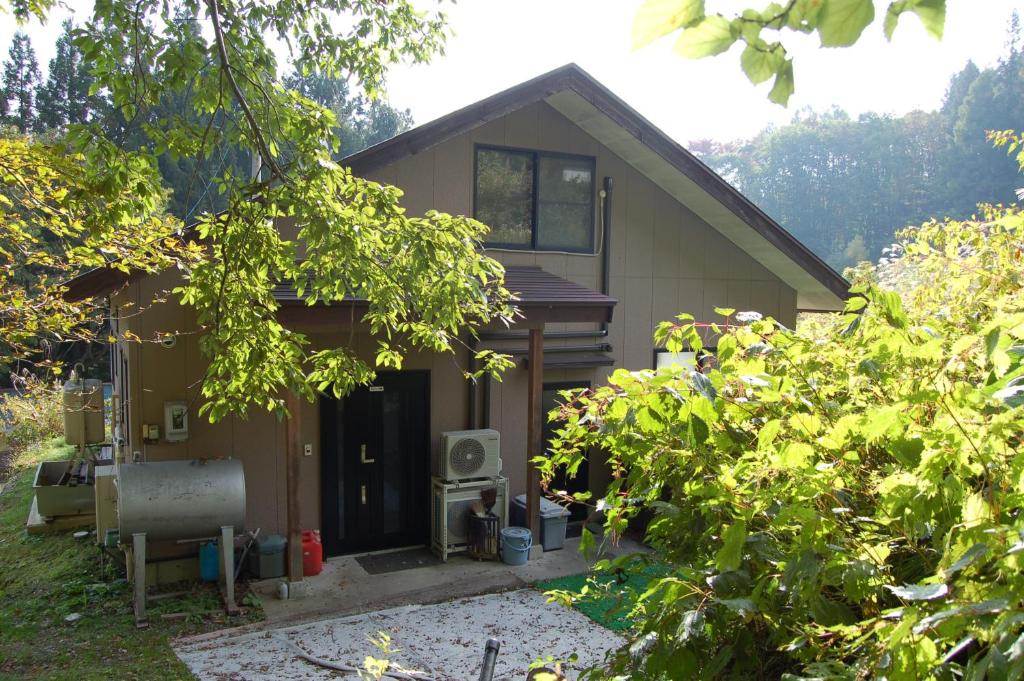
<point x="312" y="553"/>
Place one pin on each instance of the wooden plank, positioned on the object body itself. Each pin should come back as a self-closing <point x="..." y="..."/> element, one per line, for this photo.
<point x="139" y="571"/>
<point x="293" y="452"/>
<point x="40" y="524"/>
<point x="534" y="429"/>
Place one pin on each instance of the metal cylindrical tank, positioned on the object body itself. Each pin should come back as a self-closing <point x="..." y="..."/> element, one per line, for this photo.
<point x="83" y="411"/>
<point x="180" y="499"/>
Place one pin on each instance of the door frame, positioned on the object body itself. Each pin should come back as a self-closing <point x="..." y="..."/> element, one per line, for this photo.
<point x="332" y="463"/>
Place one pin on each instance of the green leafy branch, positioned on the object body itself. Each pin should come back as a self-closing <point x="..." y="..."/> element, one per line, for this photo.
<point x="838" y="501"/>
<point x="838" y="23"/>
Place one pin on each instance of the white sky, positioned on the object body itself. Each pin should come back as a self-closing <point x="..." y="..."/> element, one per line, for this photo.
<point x="499" y="43"/>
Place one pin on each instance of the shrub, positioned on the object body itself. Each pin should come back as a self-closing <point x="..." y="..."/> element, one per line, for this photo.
<point x="32" y="414"/>
<point x="842" y="501"/>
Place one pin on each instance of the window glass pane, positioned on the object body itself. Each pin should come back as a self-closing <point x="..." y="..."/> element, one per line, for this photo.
<point x="564" y="227"/>
<point x="504" y="195"/>
<point x="565" y="204"/>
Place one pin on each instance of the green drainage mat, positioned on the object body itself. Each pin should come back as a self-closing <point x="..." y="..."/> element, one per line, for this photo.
<point x="609" y="598"/>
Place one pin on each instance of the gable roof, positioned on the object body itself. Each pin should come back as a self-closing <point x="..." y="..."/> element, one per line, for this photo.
<point x="583" y="100"/>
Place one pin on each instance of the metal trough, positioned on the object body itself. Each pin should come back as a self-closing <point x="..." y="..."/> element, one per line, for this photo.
<point x="55" y="497"/>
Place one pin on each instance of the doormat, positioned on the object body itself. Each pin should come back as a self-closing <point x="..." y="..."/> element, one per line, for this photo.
<point x="396" y="561"/>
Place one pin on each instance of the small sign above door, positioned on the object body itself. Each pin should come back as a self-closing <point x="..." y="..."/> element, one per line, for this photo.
<point x="376" y="388"/>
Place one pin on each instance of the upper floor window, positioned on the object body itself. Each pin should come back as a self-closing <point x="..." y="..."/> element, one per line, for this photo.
<point x="535" y="200"/>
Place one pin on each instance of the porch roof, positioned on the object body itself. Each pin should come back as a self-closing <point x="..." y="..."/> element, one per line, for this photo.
<point x="543" y="298"/>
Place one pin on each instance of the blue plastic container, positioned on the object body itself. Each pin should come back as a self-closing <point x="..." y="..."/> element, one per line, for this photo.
<point x="516" y="543"/>
<point x="209" y="562"/>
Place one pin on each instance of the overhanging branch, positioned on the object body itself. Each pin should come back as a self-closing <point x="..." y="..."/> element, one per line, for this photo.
<point x="225" y="63"/>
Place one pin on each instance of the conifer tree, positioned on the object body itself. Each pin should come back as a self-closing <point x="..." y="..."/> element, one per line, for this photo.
<point x="20" y="80"/>
<point x="64" y="98"/>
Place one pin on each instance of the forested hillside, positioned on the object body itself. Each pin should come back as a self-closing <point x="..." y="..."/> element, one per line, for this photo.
<point x="32" y="103"/>
<point x="845" y="185"/>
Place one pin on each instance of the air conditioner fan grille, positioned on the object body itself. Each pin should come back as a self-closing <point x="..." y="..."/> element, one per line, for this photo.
<point x="458" y="519"/>
<point x="467" y="456"/>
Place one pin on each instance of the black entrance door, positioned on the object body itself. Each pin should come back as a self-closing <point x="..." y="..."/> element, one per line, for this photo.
<point x="375" y="464"/>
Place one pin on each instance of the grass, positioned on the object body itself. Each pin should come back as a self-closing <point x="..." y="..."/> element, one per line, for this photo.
<point x="43" y="579"/>
<point x="606" y="598"/>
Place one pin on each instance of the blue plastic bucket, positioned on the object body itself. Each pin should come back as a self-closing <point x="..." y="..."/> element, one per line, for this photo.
<point x="515" y="545"/>
<point x="209" y="562"/>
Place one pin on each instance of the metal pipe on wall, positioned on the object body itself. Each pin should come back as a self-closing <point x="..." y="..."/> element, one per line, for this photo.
<point x="471" y="391"/>
<point x="523" y="335"/>
<point x="487" y="402"/>
<point x="606" y="241"/>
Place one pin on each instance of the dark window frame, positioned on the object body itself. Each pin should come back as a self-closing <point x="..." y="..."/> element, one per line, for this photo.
<point x="537" y="155"/>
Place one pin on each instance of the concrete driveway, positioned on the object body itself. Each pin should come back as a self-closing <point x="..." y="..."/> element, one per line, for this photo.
<point x="444" y="641"/>
<point x="345" y="588"/>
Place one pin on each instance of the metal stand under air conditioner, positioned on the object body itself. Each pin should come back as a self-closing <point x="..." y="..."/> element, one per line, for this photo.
<point x="226" y="580"/>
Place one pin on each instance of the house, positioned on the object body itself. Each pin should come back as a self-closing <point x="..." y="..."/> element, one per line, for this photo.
<point x="606" y="227"/>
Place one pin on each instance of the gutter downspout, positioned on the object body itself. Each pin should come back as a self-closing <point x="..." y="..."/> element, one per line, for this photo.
<point x="606" y="241"/>
<point x="471" y="391"/>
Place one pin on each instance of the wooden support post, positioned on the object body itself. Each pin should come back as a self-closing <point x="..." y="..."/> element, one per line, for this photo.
<point x="227" y="568"/>
<point x="139" y="575"/>
<point x="293" y="453"/>
<point x="534" y="429"/>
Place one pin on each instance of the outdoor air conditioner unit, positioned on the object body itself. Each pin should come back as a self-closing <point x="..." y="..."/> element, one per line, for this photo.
<point x="468" y="454"/>
<point x="451" y="504"/>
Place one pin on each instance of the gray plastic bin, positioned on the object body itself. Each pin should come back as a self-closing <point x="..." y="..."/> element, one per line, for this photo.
<point x="553" y="519"/>
<point x="266" y="559"/>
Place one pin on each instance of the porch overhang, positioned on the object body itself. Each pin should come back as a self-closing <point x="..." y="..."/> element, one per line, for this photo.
<point x="546" y="298"/>
<point x="542" y="298"/>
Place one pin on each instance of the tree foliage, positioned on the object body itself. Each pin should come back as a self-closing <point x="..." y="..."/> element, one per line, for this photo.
<point x="65" y="98"/>
<point x="191" y="79"/>
<point x="33" y="413"/>
<point x="62" y="212"/>
<point x="362" y="122"/>
<point x="837" y="23"/>
<point x="840" y="501"/>
<point x="68" y="97"/>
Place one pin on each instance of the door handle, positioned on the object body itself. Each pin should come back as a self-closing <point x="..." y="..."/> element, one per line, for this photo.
<point x="362" y="455"/>
<point x="362" y="494"/>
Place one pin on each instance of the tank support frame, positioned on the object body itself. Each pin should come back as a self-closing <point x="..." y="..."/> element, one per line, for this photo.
<point x="226" y="580"/>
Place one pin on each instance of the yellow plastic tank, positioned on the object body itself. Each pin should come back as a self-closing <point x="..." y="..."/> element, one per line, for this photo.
<point x="83" y="411"/>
